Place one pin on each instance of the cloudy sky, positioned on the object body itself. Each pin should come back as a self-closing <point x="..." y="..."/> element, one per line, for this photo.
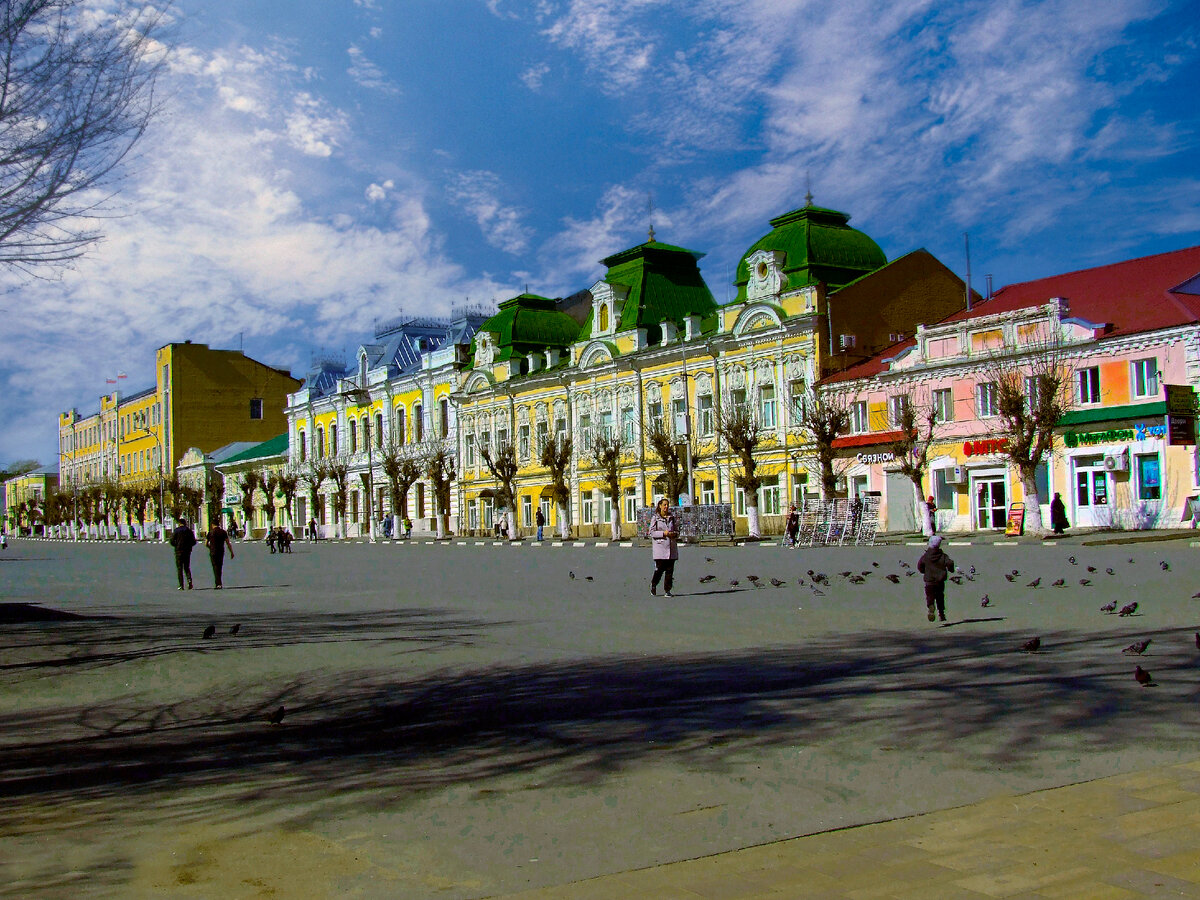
<point x="321" y="164"/>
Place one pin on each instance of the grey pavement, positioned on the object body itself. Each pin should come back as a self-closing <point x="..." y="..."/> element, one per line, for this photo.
<point x="470" y="721"/>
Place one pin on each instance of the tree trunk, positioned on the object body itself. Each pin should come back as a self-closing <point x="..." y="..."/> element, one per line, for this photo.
<point x="564" y="526"/>
<point x="442" y="525"/>
<point x="616" y="524"/>
<point x="752" y="520"/>
<point x="1033" y="504"/>
<point x="928" y="526"/>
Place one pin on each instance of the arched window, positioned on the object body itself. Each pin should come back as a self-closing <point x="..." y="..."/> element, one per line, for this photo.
<point x="378" y="429"/>
<point x="300" y="445"/>
<point x="333" y="440"/>
<point x="353" y="436"/>
<point x="400" y="433"/>
<point x="319" y="449"/>
<point x="418" y="424"/>
<point x="603" y="317"/>
<point x="366" y="431"/>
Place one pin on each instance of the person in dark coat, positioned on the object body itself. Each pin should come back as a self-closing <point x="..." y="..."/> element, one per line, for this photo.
<point x="183" y="539"/>
<point x="664" y="544"/>
<point x="1058" y="514"/>
<point x="936" y="566"/>
<point x="217" y="541"/>
<point x="792" y="529"/>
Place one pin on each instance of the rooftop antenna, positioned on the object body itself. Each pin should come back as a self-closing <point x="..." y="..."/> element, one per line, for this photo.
<point x="650" y="214"/>
<point x="967" y="242"/>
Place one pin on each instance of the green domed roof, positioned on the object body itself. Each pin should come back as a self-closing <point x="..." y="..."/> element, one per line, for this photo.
<point x="819" y="247"/>
<point x="530" y="322"/>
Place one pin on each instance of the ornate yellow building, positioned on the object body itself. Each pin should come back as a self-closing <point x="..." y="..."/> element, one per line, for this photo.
<point x="648" y="346"/>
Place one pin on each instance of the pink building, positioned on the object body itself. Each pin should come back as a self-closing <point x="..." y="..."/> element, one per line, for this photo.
<point x="1125" y="330"/>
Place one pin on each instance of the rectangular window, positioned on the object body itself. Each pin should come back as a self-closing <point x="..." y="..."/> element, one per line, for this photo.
<point x="655" y="413"/>
<point x="606" y="423"/>
<point x="627" y="425"/>
<point x="523" y="439"/>
<point x="353" y="436"/>
<point x="585" y="504"/>
<point x="943" y="493"/>
<point x="303" y="448"/>
<point x="418" y="424"/>
<point x="768" y="494"/>
<point x="739" y="502"/>
<point x="738" y="397"/>
<point x="585" y="433"/>
<point x="333" y="448"/>
<point x="400" y="435"/>
<point x="630" y="505"/>
<point x="708" y="492"/>
<point x="560" y="427"/>
<point x="943" y="405"/>
<point x="527" y="509"/>
<point x="987" y="400"/>
<point x="501" y="438"/>
<point x="679" y="417"/>
<point x="605" y="509"/>
<point x="469" y="449"/>
<point x="443" y="417"/>
<point x="767" y="406"/>
<point x="1088" y="381"/>
<point x="1145" y="377"/>
<point x="543" y="435"/>
<point x="256" y="408"/>
<point x="1031" y="392"/>
<point x="896" y="407"/>
<point x="420" y="500"/>
<point x="859" y="422"/>
<point x="704" y="407"/>
<point x="1149" y="477"/>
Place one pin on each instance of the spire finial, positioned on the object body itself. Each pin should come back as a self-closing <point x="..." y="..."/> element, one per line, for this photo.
<point x="807" y="189"/>
<point x="650" y="214"/>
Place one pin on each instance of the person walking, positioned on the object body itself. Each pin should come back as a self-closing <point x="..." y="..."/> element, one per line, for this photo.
<point x="183" y="539"/>
<point x="312" y="529"/>
<point x="664" y="545"/>
<point x="1058" y="514"/>
<point x="217" y="541"/>
<point x="792" y="529"/>
<point x="540" y="521"/>
<point x="936" y="566"/>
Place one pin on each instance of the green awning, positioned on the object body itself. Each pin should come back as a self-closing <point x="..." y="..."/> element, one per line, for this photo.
<point x="1113" y="413"/>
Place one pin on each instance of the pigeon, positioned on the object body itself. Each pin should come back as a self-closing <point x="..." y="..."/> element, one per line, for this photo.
<point x="1108" y="571"/>
<point x="734" y="582"/>
<point x="904" y="565"/>
<point x="236" y="628"/>
<point x="845" y="574"/>
<point x="276" y="717"/>
<point x="957" y="579"/>
<point x="892" y="577"/>
<point x="1015" y="573"/>
<point x="1071" y="560"/>
<point x="1141" y="676"/>
<point x="572" y="574"/>
<point x="874" y="565"/>
<point x="816" y="590"/>
<point x="708" y="559"/>
<point x="971" y="571"/>
<point x="1011" y="578"/>
<point x="1084" y="582"/>
<point x="1091" y="568"/>
<point x="1035" y="582"/>
<point x="1128" y="609"/>
<point x="857" y="579"/>
<point x="1131" y="560"/>
<point x="1109" y="607"/>
<point x="864" y="574"/>
<point x="588" y="578"/>
<point x="911" y="572"/>
<point x="1196" y="596"/>
<point x="753" y="578"/>
<point x="970" y="577"/>
<point x="1198" y="640"/>
<point x="707" y="578"/>
<point x="210" y="631"/>
<point x="1032" y="645"/>
<point x="986" y="601"/>
<point x="1138" y="647"/>
<point x="1060" y="583"/>
<point x="1164" y="566"/>
<point x="777" y="582"/>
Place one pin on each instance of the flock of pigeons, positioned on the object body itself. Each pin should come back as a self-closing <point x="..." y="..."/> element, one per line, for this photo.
<point x="210" y="632"/>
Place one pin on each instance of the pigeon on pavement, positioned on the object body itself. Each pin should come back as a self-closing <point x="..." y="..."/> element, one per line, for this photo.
<point x="1128" y="609"/>
<point x="1060" y="583"/>
<point x="236" y="628"/>
<point x="986" y="601"/>
<point x="1141" y="676"/>
<point x="1035" y="582"/>
<point x="707" y="578"/>
<point x="276" y="717"/>
<point x="1109" y="607"/>
<point x="210" y="631"/>
<point x="1138" y="647"/>
<point x="1032" y="645"/>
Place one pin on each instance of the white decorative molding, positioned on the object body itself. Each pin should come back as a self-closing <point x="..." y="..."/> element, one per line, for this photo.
<point x="756" y="318"/>
<point x="485" y="349"/>
<point x="766" y="275"/>
<point x="607" y="299"/>
<point x="595" y="353"/>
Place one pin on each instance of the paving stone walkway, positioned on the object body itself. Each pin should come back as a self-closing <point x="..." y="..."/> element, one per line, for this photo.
<point x="1128" y="836"/>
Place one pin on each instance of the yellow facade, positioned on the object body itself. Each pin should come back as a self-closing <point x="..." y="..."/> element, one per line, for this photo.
<point x="25" y="497"/>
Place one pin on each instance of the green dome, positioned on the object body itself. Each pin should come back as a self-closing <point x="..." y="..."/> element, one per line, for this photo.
<point x="818" y="246"/>
<point x="529" y="322"/>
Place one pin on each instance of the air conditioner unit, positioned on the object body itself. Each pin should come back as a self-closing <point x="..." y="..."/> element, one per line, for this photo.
<point x="1116" y="462"/>
<point x="847" y="341"/>
<point x="956" y="475"/>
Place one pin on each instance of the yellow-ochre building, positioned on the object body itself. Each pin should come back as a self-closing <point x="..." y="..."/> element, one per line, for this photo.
<point x="202" y="398"/>
<point x="648" y="344"/>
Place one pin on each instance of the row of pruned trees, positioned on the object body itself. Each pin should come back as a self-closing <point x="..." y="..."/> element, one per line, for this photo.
<point x="109" y="503"/>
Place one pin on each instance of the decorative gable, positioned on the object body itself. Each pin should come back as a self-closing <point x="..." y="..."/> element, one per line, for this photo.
<point x="607" y="303"/>
<point x="767" y="279"/>
<point x="485" y="349"/>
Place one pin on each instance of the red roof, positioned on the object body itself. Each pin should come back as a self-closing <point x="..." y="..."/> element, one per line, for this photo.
<point x="1137" y="295"/>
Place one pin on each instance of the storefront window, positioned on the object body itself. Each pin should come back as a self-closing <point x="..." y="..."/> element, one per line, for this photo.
<point x="1149" y="477"/>
<point x="943" y="491"/>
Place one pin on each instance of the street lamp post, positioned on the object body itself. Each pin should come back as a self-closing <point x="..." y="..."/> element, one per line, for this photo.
<point x="162" y="506"/>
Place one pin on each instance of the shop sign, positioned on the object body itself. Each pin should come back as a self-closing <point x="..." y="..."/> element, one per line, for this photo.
<point x="1181" y="430"/>
<point x="870" y="458"/>
<point x="1139" y="432"/>
<point x="985" y="447"/>
<point x="1015" y="526"/>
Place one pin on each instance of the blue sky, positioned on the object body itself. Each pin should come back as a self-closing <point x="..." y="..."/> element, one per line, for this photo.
<point x="321" y="164"/>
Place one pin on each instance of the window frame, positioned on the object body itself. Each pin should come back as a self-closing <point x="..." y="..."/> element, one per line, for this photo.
<point x="1139" y="370"/>
<point x="860" y="417"/>
<point x="1087" y="386"/>
<point x="987" y="400"/>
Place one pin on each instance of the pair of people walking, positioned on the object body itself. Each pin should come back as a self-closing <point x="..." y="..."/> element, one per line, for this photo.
<point x="183" y="539"/>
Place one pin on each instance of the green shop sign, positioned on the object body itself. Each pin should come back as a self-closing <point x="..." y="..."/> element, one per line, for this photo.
<point x="1139" y="432"/>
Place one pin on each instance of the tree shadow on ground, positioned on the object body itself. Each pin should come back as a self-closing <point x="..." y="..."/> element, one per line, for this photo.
<point x="352" y="738"/>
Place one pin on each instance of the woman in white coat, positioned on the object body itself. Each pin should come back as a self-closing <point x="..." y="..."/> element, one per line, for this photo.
<point x="664" y="546"/>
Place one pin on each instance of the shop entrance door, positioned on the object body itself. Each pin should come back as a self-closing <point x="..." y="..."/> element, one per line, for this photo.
<point x="1091" y="493"/>
<point x="991" y="503"/>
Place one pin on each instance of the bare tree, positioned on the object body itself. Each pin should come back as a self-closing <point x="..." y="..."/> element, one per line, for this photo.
<point x="607" y="451"/>
<point x="503" y="464"/>
<point x="918" y="422"/>
<point x="19" y="467"/>
<point x="338" y="472"/>
<point x="672" y="456"/>
<point x="313" y="474"/>
<point x="556" y="456"/>
<point x="289" y="481"/>
<point x="738" y="425"/>
<point x="1030" y="394"/>
<point x="270" y="484"/>
<point x="402" y="469"/>
<point x="442" y="470"/>
<point x="249" y="483"/>
<point x="76" y="95"/>
<point x="825" y="416"/>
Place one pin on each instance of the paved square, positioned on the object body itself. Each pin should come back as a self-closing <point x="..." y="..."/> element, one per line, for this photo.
<point x="467" y="721"/>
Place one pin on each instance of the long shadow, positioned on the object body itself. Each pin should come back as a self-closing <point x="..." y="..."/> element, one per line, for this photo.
<point x="366" y="737"/>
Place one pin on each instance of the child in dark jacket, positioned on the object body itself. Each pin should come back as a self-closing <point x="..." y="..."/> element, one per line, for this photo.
<point x="936" y="566"/>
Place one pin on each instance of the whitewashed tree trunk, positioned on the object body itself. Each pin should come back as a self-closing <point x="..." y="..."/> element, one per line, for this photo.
<point x="752" y="521"/>
<point x="1033" y="505"/>
<point x="564" y="526"/>
<point x="928" y="526"/>
<point x="616" y="525"/>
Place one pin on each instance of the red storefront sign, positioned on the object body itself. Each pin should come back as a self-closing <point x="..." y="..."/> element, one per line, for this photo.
<point x="984" y="447"/>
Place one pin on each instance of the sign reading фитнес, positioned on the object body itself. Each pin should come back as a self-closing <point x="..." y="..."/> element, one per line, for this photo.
<point x="1139" y="432"/>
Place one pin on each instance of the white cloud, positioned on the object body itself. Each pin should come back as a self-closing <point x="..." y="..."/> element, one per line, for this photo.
<point x="620" y="221"/>
<point x="368" y="74"/>
<point x="478" y="193"/>
<point x="377" y="193"/>
<point x="533" y="77"/>
<point x="313" y="127"/>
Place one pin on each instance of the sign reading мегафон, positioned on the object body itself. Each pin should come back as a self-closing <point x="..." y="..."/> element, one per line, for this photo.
<point x="1139" y="432"/>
